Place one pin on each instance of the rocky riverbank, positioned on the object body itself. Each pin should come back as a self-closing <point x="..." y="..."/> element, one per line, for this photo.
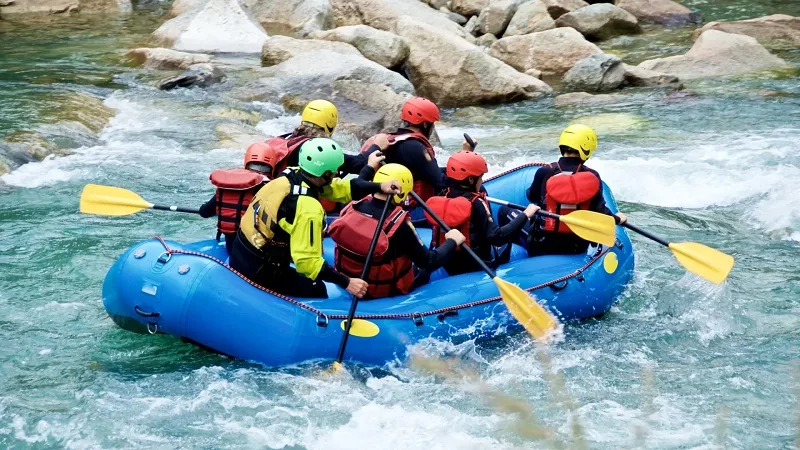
<point x="369" y="56"/>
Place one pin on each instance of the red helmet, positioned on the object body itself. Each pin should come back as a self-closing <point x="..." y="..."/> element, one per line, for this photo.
<point x="256" y="158"/>
<point x="463" y="164"/>
<point x="419" y="110"/>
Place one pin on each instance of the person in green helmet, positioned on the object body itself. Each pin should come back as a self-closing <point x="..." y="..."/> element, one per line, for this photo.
<point x="285" y="223"/>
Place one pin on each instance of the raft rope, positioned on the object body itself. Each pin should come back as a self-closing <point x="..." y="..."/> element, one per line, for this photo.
<point x="416" y="316"/>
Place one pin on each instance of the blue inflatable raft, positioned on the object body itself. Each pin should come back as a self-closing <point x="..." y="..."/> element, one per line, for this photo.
<point x="188" y="291"/>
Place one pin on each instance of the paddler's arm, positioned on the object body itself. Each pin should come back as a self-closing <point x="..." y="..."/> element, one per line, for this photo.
<point x="209" y="208"/>
<point x="407" y="238"/>
<point x="343" y="191"/>
<point x="305" y="244"/>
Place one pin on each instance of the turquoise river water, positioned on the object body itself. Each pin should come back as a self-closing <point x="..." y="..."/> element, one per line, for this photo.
<point x="677" y="363"/>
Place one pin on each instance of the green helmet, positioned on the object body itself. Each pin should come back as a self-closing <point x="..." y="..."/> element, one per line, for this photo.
<point x="320" y="155"/>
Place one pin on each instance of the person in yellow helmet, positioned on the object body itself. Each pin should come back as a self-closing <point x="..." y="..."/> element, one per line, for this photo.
<point x="560" y="188"/>
<point x="398" y="248"/>
<point x="285" y="223"/>
<point x="318" y="120"/>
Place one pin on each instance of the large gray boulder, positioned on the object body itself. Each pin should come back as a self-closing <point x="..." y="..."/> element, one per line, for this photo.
<point x="21" y="10"/>
<point x="716" y="53"/>
<point x="531" y="17"/>
<point x="198" y="75"/>
<point x="292" y="17"/>
<point x="666" y="12"/>
<point x="641" y="77"/>
<point x="213" y="26"/>
<point x="468" y="8"/>
<point x="165" y="59"/>
<point x="558" y="8"/>
<point x="553" y="52"/>
<point x="385" y="14"/>
<point x="596" y="73"/>
<point x="494" y="18"/>
<point x="386" y="49"/>
<point x="771" y="31"/>
<point x="600" y="21"/>
<point x="278" y="49"/>
<point x="367" y="95"/>
<point x="453" y="72"/>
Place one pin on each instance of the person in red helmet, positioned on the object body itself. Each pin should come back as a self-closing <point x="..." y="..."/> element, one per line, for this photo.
<point x="464" y="207"/>
<point x="235" y="190"/>
<point x="409" y="146"/>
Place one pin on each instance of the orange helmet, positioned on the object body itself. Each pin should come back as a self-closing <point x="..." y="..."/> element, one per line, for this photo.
<point x="419" y="110"/>
<point x="256" y="158"/>
<point x="463" y="164"/>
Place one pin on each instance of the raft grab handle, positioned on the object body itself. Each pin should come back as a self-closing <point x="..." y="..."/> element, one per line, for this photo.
<point x="144" y="313"/>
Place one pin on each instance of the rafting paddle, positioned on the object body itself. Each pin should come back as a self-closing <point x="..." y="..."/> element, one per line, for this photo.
<point x="701" y="260"/>
<point x="337" y="365"/>
<point x="536" y="320"/>
<point x="114" y="201"/>
<point x="589" y="225"/>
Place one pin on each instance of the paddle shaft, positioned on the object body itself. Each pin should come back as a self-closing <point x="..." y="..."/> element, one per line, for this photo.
<point x="444" y="226"/>
<point x="364" y="272"/>
<point x="521" y="208"/>
<point x="646" y="234"/>
<point x="627" y="225"/>
<point x="176" y="209"/>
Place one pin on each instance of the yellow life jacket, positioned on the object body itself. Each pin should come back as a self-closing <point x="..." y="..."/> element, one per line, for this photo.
<point x="260" y="222"/>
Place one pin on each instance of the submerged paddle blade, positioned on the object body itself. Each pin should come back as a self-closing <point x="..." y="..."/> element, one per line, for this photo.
<point x="111" y="201"/>
<point x="592" y="226"/>
<point x="702" y="260"/>
<point x="537" y="320"/>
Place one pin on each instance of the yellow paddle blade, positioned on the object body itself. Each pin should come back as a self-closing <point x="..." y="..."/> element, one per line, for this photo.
<point x="702" y="260"/>
<point x="111" y="201"/>
<point x="537" y="320"/>
<point x="592" y="226"/>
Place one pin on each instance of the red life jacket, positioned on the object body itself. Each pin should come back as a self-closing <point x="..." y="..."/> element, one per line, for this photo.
<point x="235" y="190"/>
<point x="456" y="213"/>
<point x="567" y="192"/>
<point x="353" y="233"/>
<point x="280" y="147"/>
<point x="422" y="188"/>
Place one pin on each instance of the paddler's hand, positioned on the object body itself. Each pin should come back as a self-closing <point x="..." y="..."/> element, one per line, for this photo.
<point x="531" y="210"/>
<point x="375" y="159"/>
<point x="382" y="141"/>
<point x="468" y="148"/>
<point x="456" y="236"/>
<point x="621" y="218"/>
<point x="357" y="287"/>
<point x="391" y="187"/>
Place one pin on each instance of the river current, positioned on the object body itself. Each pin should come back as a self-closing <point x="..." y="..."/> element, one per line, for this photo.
<point x="676" y="363"/>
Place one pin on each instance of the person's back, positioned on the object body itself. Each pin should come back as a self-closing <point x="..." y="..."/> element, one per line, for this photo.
<point x="561" y="188"/>
<point x="235" y="190"/>
<point x="398" y="245"/>
<point x="410" y="147"/>
<point x="464" y="206"/>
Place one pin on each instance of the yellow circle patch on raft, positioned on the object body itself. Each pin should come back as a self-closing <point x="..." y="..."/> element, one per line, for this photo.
<point x="362" y="328"/>
<point x="610" y="262"/>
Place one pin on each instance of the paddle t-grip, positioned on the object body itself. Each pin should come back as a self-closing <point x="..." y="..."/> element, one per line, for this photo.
<point x="470" y="141"/>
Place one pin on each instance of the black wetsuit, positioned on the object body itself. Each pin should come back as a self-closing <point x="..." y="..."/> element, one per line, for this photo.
<point x="484" y="235"/>
<point x="405" y="241"/>
<point x="410" y="153"/>
<point x="535" y="239"/>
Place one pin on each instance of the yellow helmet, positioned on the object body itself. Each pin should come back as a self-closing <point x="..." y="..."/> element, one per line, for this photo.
<point x="321" y="113"/>
<point x="396" y="172"/>
<point x="580" y="138"/>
